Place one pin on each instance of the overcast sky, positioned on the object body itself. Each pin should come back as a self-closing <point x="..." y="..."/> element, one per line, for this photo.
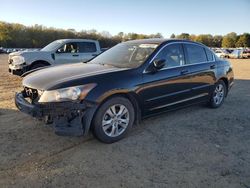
<point x="140" y="16"/>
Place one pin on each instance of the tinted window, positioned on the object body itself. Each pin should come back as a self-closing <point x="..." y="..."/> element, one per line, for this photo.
<point x="209" y="55"/>
<point x="87" y="47"/>
<point x="173" y="54"/>
<point x="195" y="54"/>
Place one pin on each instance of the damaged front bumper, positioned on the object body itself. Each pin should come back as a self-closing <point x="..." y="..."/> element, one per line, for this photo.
<point x="69" y="118"/>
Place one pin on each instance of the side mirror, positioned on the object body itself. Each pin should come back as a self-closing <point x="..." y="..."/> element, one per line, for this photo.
<point x="60" y="50"/>
<point x="159" y="63"/>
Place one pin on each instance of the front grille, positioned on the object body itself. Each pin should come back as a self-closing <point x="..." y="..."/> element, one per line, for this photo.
<point x="32" y="94"/>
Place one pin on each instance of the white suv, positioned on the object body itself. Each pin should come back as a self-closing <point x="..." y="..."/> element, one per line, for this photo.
<point x="59" y="52"/>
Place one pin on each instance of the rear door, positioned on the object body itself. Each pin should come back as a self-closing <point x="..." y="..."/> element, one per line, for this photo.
<point x="87" y="50"/>
<point x="202" y="66"/>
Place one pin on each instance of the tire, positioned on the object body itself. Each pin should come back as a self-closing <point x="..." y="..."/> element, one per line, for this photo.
<point x="37" y="65"/>
<point x="218" y="94"/>
<point x="113" y="120"/>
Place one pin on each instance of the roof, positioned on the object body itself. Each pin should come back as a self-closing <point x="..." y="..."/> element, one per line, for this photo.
<point x="160" y="41"/>
<point x="76" y="40"/>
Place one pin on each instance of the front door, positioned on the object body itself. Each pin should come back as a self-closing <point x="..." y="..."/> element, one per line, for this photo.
<point x="171" y="85"/>
<point x="68" y="53"/>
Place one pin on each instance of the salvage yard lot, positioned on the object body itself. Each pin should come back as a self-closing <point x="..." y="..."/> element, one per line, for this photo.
<point x="192" y="147"/>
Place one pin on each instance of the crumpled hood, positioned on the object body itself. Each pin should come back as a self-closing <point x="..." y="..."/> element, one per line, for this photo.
<point x="46" y="78"/>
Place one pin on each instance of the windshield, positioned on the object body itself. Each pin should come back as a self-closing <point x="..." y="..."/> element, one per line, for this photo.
<point x="125" y="55"/>
<point x="52" y="46"/>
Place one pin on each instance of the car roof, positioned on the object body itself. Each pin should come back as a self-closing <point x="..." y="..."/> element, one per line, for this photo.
<point x="76" y="40"/>
<point x="161" y="41"/>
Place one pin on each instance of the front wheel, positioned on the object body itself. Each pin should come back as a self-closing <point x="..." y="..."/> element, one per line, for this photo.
<point x="218" y="94"/>
<point x="113" y="120"/>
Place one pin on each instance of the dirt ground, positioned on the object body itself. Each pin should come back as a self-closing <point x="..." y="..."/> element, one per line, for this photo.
<point x="192" y="147"/>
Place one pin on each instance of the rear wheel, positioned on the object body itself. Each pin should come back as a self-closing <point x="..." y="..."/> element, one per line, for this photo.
<point x="113" y="119"/>
<point x="218" y="95"/>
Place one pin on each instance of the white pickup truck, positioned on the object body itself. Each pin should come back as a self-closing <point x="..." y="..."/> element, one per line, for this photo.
<point x="59" y="52"/>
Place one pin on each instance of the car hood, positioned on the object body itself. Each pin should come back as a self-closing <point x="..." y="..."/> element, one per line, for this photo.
<point x="46" y="78"/>
<point x="29" y="54"/>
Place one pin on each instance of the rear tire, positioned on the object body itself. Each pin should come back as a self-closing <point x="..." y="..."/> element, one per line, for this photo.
<point x="218" y="95"/>
<point x="113" y="120"/>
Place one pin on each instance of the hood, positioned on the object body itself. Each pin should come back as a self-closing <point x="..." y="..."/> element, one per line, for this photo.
<point x="28" y="54"/>
<point x="46" y="78"/>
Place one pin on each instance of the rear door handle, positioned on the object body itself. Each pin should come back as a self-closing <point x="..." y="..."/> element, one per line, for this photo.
<point x="75" y="55"/>
<point x="212" y="67"/>
<point x="184" y="72"/>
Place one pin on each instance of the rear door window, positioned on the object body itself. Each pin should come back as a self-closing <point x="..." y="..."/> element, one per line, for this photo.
<point x="210" y="56"/>
<point x="195" y="54"/>
<point x="87" y="47"/>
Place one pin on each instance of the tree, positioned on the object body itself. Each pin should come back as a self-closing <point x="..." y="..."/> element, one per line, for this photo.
<point x="229" y="40"/>
<point x="172" y="36"/>
<point x="185" y="36"/>
<point x="217" y="40"/>
<point x="243" y="41"/>
<point x="205" y="39"/>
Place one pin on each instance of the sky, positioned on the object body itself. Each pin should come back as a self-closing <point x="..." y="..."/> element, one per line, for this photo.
<point x="139" y="16"/>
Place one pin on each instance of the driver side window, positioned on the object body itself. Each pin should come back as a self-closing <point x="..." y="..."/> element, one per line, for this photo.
<point x="173" y="55"/>
<point x="69" y="48"/>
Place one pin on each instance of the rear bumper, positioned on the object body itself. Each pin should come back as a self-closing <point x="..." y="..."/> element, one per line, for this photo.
<point x="69" y="118"/>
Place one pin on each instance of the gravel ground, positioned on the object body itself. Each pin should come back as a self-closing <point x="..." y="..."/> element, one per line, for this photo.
<point x="192" y="147"/>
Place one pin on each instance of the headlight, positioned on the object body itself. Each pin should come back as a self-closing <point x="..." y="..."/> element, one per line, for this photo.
<point x="18" y="60"/>
<point x="67" y="94"/>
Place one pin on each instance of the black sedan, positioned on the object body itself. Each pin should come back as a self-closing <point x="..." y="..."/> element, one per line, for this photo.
<point x="125" y="84"/>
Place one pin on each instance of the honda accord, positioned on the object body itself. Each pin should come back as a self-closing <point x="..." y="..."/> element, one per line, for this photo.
<point x="123" y="85"/>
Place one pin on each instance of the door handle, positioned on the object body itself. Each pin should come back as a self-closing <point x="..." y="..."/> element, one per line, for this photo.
<point x="184" y="72"/>
<point x="75" y="55"/>
<point x="212" y="67"/>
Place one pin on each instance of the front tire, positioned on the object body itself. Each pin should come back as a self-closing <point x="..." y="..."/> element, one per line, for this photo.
<point x="218" y="95"/>
<point x="113" y="120"/>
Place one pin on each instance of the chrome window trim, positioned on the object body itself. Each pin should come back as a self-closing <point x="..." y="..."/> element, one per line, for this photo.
<point x="144" y="71"/>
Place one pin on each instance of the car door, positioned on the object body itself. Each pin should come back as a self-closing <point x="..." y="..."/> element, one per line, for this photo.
<point x="202" y="66"/>
<point x="87" y="50"/>
<point x="68" y="53"/>
<point x="170" y="86"/>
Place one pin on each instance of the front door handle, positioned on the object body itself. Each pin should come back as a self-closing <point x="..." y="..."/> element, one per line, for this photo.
<point x="75" y="55"/>
<point x="184" y="72"/>
<point x="212" y="67"/>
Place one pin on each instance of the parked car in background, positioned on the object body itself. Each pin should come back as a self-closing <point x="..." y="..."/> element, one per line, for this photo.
<point x="124" y="84"/>
<point x="2" y="51"/>
<point x="222" y="53"/>
<point x="246" y="53"/>
<point x="59" y="52"/>
<point x="235" y="54"/>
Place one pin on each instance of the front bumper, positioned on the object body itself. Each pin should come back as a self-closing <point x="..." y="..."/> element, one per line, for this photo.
<point x="17" y="71"/>
<point x="69" y="118"/>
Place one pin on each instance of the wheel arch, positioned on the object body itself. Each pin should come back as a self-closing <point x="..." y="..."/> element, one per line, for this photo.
<point x="46" y="63"/>
<point x="225" y="80"/>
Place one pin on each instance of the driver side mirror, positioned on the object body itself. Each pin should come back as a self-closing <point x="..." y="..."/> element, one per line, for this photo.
<point x="159" y="63"/>
<point x="60" y="50"/>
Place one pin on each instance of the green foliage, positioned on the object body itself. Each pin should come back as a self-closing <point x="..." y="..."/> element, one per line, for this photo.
<point x="229" y="40"/>
<point x="37" y="36"/>
<point x="243" y="41"/>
